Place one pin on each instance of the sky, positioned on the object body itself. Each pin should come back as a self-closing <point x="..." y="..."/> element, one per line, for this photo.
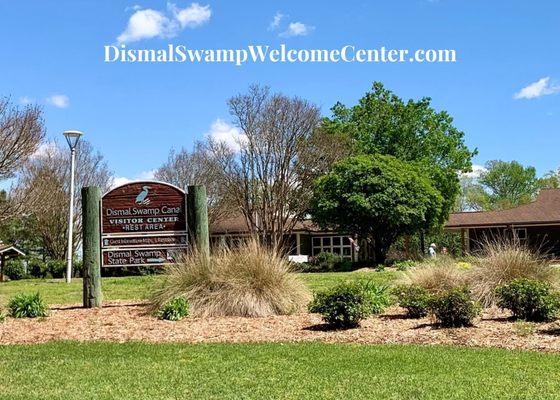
<point x="503" y="91"/>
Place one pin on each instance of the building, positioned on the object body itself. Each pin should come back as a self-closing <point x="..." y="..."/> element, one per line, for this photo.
<point x="306" y="240"/>
<point x="7" y="251"/>
<point x="536" y="224"/>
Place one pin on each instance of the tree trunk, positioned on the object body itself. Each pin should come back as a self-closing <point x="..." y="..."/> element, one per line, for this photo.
<point x="380" y="250"/>
<point x="422" y="244"/>
<point x="92" y="294"/>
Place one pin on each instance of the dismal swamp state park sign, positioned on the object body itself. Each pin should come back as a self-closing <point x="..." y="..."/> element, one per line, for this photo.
<point x="143" y="223"/>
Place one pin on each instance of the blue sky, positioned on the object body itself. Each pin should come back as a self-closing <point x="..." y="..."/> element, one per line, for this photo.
<point x="52" y="53"/>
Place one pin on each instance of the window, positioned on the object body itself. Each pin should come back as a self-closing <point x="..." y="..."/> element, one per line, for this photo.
<point x="332" y="244"/>
<point x="516" y="233"/>
<point x="521" y="233"/>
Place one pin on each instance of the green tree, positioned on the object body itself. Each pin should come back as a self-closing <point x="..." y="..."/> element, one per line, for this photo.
<point x="550" y="180"/>
<point x="473" y="197"/>
<point x="382" y="123"/>
<point x="377" y="197"/>
<point x="508" y="184"/>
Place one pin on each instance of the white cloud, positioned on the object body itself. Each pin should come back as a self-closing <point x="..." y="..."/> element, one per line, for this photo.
<point x="58" y="100"/>
<point x="145" y="24"/>
<point x="119" y="181"/>
<point x="192" y="16"/>
<point x="275" y="23"/>
<point x="142" y="176"/>
<point x="477" y="171"/>
<point x="542" y="87"/>
<point x="146" y="175"/>
<point x="297" y="29"/>
<point x="45" y="148"/>
<point x="24" y="100"/>
<point x="148" y="23"/>
<point x="222" y="132"/>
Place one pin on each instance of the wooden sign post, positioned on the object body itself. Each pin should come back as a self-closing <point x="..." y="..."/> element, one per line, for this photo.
<point x="91" y="229"/>
<point x="139" y="224"/>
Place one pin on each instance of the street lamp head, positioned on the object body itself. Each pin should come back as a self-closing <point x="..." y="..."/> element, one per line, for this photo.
<point x="72" y="137"/>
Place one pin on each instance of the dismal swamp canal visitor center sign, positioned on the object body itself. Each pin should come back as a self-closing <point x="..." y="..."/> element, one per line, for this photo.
<point x="143" y="223"/>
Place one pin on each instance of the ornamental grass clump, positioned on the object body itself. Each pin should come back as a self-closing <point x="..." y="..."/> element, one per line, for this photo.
<point x="436" y="275"/>
<point x="250" y="280"/>
<point x="502" y="262"/>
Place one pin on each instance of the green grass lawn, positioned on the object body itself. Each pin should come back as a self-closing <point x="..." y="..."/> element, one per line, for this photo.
<point x="56" y="291"/>
<point x="69" y="370"/>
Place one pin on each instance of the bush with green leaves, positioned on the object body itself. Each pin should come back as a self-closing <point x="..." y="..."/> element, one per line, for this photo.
<point x="403" y="265"/>
<point x="378" y="296"/>
<point x="174" y="310"/>
<point x="14" y="269"/>
<point x="529" y="299"/>
<point x="56" y="268"/>
<point x="26" y="305"/>
<point x="455" y="307"/>
<point x="327" y="262"/>
<point x="345" y="305"/>
<point x="37" y="268"/>
<point x="415" y="299"/>
<point x="78" y="268"/>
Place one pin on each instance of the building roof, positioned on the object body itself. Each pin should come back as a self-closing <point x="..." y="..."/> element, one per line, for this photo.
<point x="10" y="250"/>
<point x="545" y="210"/>
<point x="238" y="225"/>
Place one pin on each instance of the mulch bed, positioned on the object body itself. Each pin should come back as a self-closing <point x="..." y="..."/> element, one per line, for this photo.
<point x="128" y="321"/>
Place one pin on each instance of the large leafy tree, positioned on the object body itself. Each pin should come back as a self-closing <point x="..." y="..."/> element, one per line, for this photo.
<point x="383" y="123"/>
<point x="509" y="184"/>
<point x="377" y="197"/>
<point x="503" y="184"/>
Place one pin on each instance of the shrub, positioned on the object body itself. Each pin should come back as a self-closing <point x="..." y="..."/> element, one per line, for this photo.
<point x="174" y="310"/>
<point x="455" y="307"/>
<point x="27" y="306"/>
<point x="378" y="296"/>
<point x="436" y="276"/>
<point x="523" y="328"/>
<point x="250" y="280"/>
<point x="2" y="317"/>
<point x="37" y="268"/>
<point x="503" y="262"/>
<point x="78" y="268"/>
<point x="403" y="265"/>
<point x="327" y="262"/>
<point x="345" y="305"/>
<point x="415" y="299"/>
<point x="14" y="269"/>
<point x="56" y="268"/>
<point x="529" y="300"/>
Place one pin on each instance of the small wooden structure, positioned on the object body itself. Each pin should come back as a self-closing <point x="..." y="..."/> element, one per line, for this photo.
<point x="7" y="251"/>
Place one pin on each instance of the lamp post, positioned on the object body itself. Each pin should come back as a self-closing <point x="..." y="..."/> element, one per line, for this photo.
<point x="72" y="137"/>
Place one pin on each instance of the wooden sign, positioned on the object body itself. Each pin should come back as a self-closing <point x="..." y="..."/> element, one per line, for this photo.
<point x="138" y="257"/>
<point x="143" y="223"/>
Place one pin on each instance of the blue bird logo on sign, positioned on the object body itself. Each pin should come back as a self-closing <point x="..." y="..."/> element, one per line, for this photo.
<point x="142" y="198"/>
